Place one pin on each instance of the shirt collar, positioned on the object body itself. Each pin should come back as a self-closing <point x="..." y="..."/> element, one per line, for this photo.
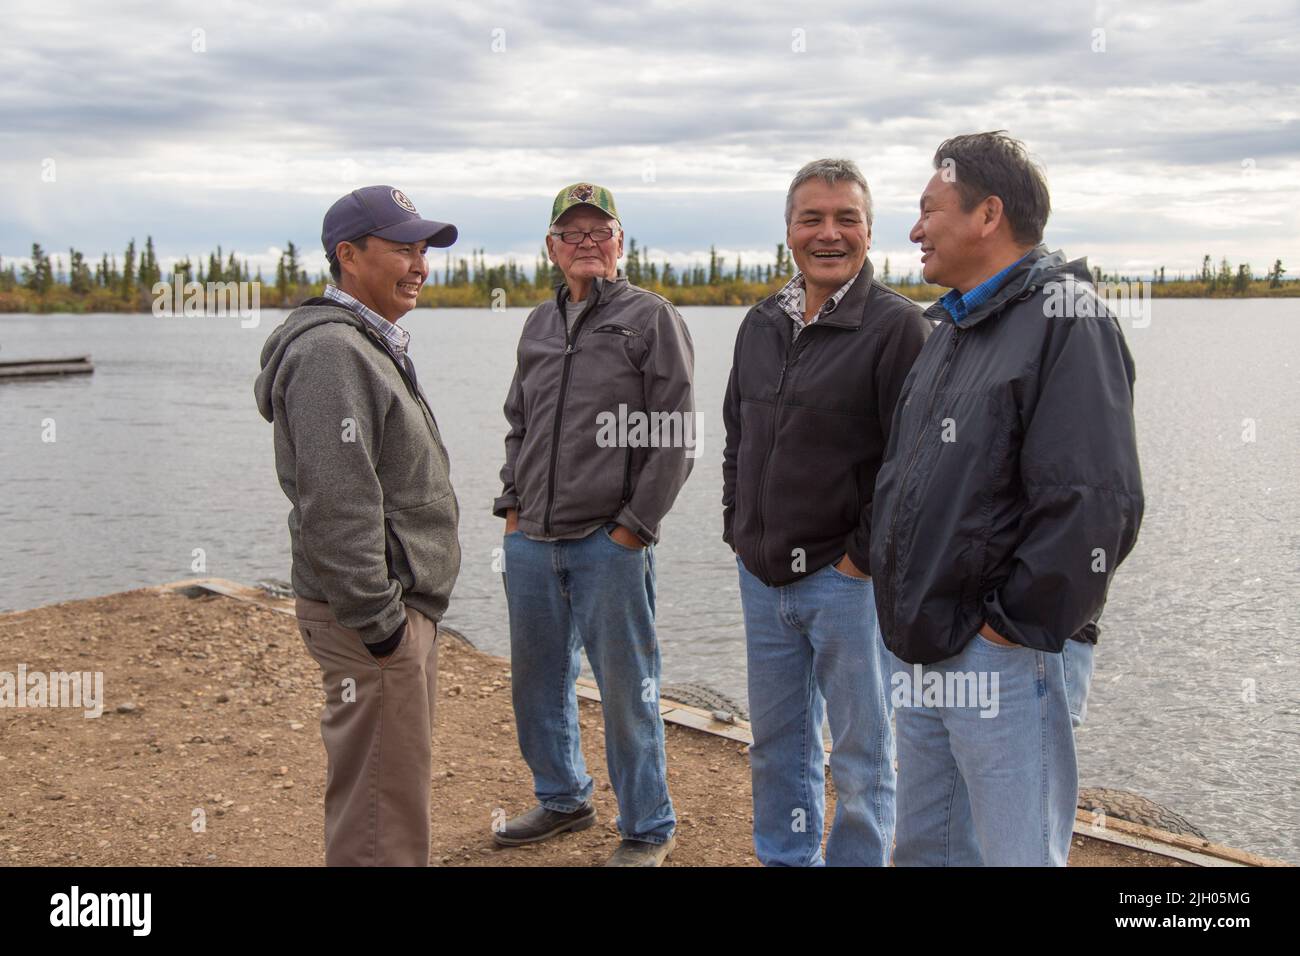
<point x="960" y="305"/>
<point x="395" y="337"/>
<point x="791" y="299"/>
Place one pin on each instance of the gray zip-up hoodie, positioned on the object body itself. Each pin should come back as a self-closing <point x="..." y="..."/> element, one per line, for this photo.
<point x="602" y="418"/>
<point x="358" y="454"/>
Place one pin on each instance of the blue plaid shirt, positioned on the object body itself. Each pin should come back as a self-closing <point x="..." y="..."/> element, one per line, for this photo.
<point x="959" y="306"/>
<point x="395" y="337"/>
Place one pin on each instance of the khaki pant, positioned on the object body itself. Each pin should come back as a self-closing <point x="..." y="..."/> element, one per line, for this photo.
<point x="377" y="727"/>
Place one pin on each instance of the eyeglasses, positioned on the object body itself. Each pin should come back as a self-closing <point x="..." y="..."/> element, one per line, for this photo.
<point x="575" y="237"/>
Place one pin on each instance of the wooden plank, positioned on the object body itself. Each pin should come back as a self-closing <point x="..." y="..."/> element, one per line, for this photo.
<point x="693" y="719"/>
<point x="1142" y="844"/>
<point x="685" y="716"/>
<point x="233" y="589"/>
<point x="45" y="361"/>
<point x="29" y="370"/>
<point x="1083" y="825"/>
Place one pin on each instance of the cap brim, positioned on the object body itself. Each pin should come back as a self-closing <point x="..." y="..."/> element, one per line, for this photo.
<point x="440" y="234"/>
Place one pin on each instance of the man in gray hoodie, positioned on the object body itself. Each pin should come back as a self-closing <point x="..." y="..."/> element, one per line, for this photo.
<point x="372" y="524"/>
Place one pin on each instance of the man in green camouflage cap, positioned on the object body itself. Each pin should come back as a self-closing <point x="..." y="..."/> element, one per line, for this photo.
<point x="583" y="500"/>
<point x="583" y="194"/>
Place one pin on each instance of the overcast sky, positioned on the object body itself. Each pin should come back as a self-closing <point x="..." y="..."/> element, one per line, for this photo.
<point x="1167" y="130"/>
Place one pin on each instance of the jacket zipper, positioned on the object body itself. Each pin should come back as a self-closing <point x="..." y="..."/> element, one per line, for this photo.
<point x="430" y="422"/>
<point x="887" y="590"/>
<point x="570" y="336"/>
<point x="792" y="353"/>
<point x="911" y="461"/>
<point x="627" y="478"/>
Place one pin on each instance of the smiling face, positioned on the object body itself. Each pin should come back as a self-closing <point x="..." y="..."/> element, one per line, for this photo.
<point x="951" y="239"/>
<point x="828" y="233"/>
<point x="385" y="276"/>
<point x="588" y="259"/>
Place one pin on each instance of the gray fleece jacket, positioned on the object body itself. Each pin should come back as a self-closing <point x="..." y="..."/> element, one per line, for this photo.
<point x="602" y="416"/>
<point x="358" y="454"/>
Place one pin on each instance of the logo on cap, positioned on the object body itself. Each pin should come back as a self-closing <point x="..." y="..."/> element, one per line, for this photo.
<point x="399" y="197"/>
<point x="582" y="192"/>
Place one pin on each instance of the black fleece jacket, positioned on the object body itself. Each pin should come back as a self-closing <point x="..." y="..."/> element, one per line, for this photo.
<point x="807" y="421"/>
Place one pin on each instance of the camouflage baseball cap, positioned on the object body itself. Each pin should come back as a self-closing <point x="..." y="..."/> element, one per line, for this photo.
<point x="583" y="194"/>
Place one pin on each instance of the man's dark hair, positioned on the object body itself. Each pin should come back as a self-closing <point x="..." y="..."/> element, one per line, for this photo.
<point x="994" y="164"/>
<point x="335" y="269"/>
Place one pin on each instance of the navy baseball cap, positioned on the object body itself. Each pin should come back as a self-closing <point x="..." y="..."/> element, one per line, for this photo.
<point x="384" y="212"/>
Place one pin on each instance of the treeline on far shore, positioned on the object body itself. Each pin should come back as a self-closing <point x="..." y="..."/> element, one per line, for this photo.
<point x="53" y="283"/>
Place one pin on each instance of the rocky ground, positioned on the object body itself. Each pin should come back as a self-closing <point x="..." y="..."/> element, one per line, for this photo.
<point x="208" y="751"/>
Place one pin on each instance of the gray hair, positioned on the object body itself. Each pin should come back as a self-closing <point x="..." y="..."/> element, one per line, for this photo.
<point x="830" y="171"/>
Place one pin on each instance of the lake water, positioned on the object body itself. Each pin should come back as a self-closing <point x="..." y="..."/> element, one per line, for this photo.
<point x="1196" y="698"/>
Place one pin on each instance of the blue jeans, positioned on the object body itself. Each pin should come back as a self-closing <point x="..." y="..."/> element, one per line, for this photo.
<point x="813" y="644"/>
<point x="992" y="781"/>
<point x="596" y="594"/>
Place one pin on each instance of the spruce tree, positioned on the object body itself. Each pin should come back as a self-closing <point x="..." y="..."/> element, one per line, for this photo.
<point x="79" y="278"/>
<point x="1275" y="275"/>
<point x="128" y="270"/>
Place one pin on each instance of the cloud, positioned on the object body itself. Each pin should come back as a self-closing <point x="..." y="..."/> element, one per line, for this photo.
<point x="239" y="123"/>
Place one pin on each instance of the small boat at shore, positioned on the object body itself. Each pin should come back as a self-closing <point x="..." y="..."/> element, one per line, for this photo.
<point x="40" y="367"/>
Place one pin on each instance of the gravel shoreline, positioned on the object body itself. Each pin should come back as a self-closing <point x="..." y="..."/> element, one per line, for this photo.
<point x="208" y="751"/>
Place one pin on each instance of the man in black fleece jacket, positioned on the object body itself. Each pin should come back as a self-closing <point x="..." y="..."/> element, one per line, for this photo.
<point x="816" y="373"/>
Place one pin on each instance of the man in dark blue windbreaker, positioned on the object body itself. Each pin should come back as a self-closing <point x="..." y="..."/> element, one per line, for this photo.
<point x="1009" y="493"/>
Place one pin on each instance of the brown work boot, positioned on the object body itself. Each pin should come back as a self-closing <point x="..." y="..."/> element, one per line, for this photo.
<point x="640" y="853"/>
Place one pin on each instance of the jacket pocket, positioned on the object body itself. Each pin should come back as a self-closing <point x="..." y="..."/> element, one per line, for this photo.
<point x="424" y="553"/>
<point x="966" y="462"/>
<point x="615" y="329"/>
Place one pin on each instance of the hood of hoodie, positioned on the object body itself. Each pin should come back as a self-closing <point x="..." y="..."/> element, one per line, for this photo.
<point x="277" y="343"/>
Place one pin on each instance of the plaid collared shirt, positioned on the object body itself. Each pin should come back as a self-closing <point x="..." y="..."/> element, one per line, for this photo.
<point x="395" y="337"/>
<point x="960" y="305"/>
<point x="792" y="296"/>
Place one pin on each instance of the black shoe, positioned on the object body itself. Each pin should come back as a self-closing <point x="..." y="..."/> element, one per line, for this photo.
<point x="540" y="824"/>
